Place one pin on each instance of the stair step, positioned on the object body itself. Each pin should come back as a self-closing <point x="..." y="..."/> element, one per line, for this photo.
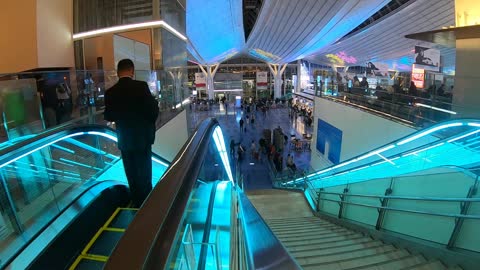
<point x="312" y="231"/>
<point x="341" y="256"/>
<point x="300" y="226"/>
<point x="360" y="261"/>
<point x="331" y="244"/>
<point x="338" y="249"/>
<point x="429" y="265"/>
<point x="298" y="222"/>
<point x="339" y="236"/>
<point x="396" y="264"/>
<point x="315" y="236"/>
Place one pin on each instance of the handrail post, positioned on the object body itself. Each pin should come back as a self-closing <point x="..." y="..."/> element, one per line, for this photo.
<point x="342" y="205"/>
<point x="464" y="207"/>
<point x="318" y="199"/>
<point x="382" y="210"/>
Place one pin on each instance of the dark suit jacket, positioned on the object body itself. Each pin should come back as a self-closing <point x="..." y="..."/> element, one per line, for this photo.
<point x="132" y="107"/>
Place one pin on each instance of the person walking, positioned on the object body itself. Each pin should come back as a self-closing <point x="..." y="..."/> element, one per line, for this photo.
<point x="134" y="110"/>
<point x="241" y="124"/>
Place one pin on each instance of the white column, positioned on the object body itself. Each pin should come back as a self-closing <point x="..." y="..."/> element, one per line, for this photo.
<point x="209" y="75"/>
<point x="299" y="75"/>
<point x="277" y="72"/>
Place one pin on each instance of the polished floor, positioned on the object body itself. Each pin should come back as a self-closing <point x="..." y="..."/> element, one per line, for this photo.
<point x="255" y="172"/>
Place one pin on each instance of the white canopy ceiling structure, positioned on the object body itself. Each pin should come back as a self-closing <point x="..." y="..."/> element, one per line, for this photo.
<point x="214" y="29"/>
<point x="288" y="30"/>
<point x="384" y="40"/>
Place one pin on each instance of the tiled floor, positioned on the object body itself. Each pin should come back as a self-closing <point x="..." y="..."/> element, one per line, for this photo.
<point x="256" y="173"/>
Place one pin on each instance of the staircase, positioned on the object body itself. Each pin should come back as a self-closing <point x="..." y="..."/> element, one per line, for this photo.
<point x="319" y="244"/>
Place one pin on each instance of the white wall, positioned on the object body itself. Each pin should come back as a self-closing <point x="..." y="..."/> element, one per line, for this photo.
<point x="54" y="33"/>
<point x="171" y="137"/>
<point x="362" y="131"/>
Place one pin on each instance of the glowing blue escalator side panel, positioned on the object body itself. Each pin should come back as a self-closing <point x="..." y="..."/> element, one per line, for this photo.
<point x="460" y="147"/>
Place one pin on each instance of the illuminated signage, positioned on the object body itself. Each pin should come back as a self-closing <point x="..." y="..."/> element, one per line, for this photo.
<point x="418" y="77"/>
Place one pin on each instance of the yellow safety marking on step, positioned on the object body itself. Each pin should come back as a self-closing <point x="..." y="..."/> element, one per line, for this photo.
<point x="128" y="208"/>
<point x="111" y="217"/>
<point x="113" y="229"/>
<point x="92" y="241"/>
<point x="83" y="257"/>
<point x="75" y="263"/>
<point x="95" y="257"/>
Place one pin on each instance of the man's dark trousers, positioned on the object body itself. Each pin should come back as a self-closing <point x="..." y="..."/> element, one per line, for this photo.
<point x="138" y="168"/>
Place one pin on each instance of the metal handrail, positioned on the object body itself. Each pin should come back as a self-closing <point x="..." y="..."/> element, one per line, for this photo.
<point x="406" y="210"/>
<point x="404" y="197"/>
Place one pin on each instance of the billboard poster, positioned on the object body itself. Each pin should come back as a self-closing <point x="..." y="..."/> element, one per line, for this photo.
<point x="262" y="80"/>
<point x="418" y="76"/>
<point x="427" y="58"/>
<point x="200" y="81"/>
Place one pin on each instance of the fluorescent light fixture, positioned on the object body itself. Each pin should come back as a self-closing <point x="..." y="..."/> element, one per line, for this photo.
<point x="251" y="163"/>
<point x="426" y="132"/>
<point x="435" y="108"/>
<point x="463" y="136"/>
<point x="119" y="28"/>
<point x="474" y="124"/>
<point x="228" y="90"/>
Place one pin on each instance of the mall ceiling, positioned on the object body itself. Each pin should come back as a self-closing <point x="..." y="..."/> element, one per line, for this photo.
<point x="282" y="31"/>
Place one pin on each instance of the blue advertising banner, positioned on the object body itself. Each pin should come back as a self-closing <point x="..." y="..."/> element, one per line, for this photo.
<point x="329" y="141"/>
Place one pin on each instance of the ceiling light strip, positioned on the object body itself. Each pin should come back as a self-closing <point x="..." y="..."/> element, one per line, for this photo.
<point x="135" y="26"/>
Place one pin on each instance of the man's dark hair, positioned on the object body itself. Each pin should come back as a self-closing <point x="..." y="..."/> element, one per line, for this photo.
<point x="125" y="64"/>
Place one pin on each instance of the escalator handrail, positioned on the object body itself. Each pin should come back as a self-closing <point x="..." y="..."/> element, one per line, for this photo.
<point x="147" y="242"/>
<point x="315" y="175"/>
<point x="39" y="141"/>
<point x="267" y="253"/>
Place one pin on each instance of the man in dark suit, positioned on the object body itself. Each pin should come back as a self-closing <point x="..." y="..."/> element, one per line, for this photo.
<point x="134" y="110"/>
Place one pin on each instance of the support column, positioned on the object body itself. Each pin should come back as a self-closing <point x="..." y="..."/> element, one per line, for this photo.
<point x="277" y="71"/>
<point x="299" y="76"/>
<point x="177" y="82"/>
<point x="209" y="73"/>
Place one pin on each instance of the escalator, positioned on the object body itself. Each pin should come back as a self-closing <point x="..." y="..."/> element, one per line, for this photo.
<point x="57" y="190"/>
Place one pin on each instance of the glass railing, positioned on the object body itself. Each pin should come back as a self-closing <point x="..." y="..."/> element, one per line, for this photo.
<point x="454" y="143"/>
<point x="41" y="176"/>
<point x="190" y="220"/>
<point x="32" y="102"/>
<point x="420" y="110"/>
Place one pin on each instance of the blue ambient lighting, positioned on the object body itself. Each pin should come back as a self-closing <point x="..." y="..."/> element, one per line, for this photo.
<point x="40" y="147"/>
<point x="220" y="144"/>
<point x="429" y="131"/>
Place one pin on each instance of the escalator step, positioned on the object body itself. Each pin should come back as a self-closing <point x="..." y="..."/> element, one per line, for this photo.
<point x="88" y="264"/>
<point x="105" y="243"/>
<point x="123" y="218"/>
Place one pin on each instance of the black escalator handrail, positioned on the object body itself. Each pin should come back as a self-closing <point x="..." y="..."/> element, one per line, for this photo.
<point x="149" y="238"/>
<point x="39" y="141"/>
<point x="263" y="249"/>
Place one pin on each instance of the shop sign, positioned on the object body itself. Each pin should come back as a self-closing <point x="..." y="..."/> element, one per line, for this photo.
<point x="262" y="80"/>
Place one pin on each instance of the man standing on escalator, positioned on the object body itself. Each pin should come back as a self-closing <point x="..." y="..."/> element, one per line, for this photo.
<point x="134" y="110"/>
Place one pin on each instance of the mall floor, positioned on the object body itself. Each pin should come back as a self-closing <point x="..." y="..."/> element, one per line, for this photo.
<point x="255" y="172"/>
